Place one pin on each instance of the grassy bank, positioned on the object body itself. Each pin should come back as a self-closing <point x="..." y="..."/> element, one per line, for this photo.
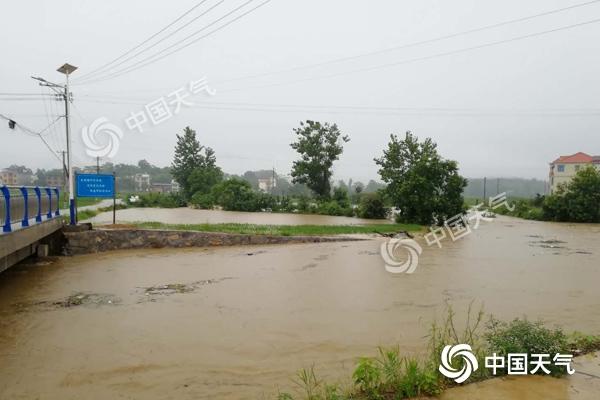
<point x="393" y="375"/>
<point x="284" y="230"/>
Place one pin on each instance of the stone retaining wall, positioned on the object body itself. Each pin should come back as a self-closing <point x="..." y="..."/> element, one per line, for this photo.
<point x="95" y="241"/>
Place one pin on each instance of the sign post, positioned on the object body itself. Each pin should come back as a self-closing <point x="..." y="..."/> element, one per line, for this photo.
<point x="114" y="199"/>
<point x="99" y="186"/>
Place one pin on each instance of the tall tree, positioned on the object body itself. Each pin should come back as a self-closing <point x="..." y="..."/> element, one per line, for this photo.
<point x="425" y="187"/>
<point x="188" y="158"/>
<point x="319" y="145"/>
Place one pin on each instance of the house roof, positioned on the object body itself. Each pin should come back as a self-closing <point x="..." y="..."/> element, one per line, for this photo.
<point x="596" y="159"/>
<point x="576" y="158"/>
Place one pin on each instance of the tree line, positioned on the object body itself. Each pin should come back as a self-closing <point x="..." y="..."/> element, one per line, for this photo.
<point x="424" y="187"/>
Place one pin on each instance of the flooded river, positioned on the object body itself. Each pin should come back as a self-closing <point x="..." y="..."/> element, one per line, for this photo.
<point x="236" y="323"/>
<point x="186" y="215"/>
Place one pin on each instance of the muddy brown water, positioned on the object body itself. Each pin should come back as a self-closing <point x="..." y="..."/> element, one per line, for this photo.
<point x="236" y="323"/>
<point x="186" y="215"/>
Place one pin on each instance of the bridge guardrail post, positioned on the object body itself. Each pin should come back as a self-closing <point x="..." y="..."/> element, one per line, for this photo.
<point x="6" y="193"/>
<point x="49" y="193"/>
<point x="25" y="220"/>
<point x="56" y="192"/>
<point x="38" y="194"/>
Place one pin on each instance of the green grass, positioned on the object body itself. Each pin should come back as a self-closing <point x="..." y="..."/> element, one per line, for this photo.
<point x="283" y="230"/>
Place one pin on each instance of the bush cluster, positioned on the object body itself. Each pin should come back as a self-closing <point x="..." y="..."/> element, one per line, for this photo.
<point x="237" y="195"/>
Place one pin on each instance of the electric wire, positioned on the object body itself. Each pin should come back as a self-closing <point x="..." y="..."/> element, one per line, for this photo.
<point x="412" y="44"/>
<point x="145" y="41"/>
<point x="151" y="59"/>
<point x="89" y="75"/>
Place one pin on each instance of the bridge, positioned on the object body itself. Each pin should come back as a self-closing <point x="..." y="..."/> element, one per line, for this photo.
<point x="29" y="217"/>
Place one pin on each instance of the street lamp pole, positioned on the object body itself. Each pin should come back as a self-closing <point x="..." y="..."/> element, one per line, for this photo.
<point x="67" y="69"/>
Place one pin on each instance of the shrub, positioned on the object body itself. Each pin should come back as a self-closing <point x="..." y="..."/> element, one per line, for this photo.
<point x="340" y="195"/>
<point x="523" y="336"/>
<point x="235" y="195"/>
<point x="333" y="208"/>
<point x="203" y="200"/>
<point x="163" y="200"/>
<point x="372" y="206"/>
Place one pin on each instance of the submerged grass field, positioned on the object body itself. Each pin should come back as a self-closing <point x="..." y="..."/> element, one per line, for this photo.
<point x="284" y="230"/>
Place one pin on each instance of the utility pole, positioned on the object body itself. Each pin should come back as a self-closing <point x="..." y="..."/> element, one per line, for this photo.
<point x="484" y="188"/>
<point x="97" y="164"/>
<point x="497" y="186"/>
<point x="66" y="69"/>
<point x="273" y="183"/>
<point x="65" y="173"/>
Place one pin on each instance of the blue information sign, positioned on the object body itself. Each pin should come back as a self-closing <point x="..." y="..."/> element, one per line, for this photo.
<point x="95" y="185"/>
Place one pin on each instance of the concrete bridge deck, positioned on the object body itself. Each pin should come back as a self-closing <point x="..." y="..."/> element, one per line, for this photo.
<point x="22" y="243"/>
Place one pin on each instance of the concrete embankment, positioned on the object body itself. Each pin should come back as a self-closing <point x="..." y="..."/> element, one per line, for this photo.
<point x="96" y="241"/>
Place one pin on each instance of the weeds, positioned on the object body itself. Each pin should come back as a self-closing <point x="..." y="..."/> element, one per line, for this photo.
<point x="391" y="375"/>
<point x="580" y="343"/>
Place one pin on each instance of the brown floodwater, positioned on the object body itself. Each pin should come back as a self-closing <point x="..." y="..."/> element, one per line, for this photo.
<point x="237" y="322"/>
<point x="186" y="215"/>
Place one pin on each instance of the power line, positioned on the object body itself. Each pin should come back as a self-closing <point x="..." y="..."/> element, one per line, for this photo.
<point x="30" y="94"/>
<point x="150" y="60"/>
<point x="49" y="112"/>
<point x="424" y="58"/>
<point x="34" y="133"/>
<point x="341" y="109"/>
<point x="23" y="98"/>
<point x="412" y="44"/>
<point x="99" y="70"/>
<point x="147" y="40"/>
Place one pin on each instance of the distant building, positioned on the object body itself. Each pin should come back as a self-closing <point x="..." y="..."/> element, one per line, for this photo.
<point x="266" y="184"/>
<point x="12" y="177"/>
<point x="142" y="182"/>
<point x="8" y="177"/>
<point x="564" y="168"/>
<point x="54" y="180"/>
<point x="164" y="187"/>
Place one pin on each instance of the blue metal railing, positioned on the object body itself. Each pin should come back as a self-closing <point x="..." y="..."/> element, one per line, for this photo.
<point x="24" y="204"/>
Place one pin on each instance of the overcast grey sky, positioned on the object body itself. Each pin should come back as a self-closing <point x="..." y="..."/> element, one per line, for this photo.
<point x="502" y="110"/>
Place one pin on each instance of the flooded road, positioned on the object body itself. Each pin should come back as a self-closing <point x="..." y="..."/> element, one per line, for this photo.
<point x="236" y="323"/>
<point x="186" y="215"/>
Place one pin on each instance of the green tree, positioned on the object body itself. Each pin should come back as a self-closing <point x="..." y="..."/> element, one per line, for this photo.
<point x="425" y="187"/>
<point x="578" y="201"/>
<point x="202" y="179"/>
<point x="319" y="145"/>
<point x="190" y="156"/>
